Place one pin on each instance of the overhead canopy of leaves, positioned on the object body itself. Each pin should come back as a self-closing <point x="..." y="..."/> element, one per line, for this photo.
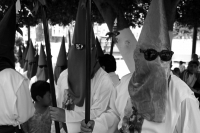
<point x="189" y="13"/>
<point x="64" y="12"/>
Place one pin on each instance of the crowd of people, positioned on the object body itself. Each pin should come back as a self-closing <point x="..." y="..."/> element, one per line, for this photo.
<point x="190" y="75"/>
<point x="149" y="100"/>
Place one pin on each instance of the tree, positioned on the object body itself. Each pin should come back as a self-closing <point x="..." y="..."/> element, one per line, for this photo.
<point x="189" y="17"/>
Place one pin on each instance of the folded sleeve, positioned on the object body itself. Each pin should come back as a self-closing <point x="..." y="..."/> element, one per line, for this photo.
<point x="24" y="103"/>
<point x="189" y="118"/>
<point x="108" y="121"/>
<point x="97" y="107"/>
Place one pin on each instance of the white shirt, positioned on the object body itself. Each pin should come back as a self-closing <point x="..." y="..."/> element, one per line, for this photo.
<point x="182" y="114"/>
<point x="15" y="100"/>
<point x="115" y="78"/>
<point x="101" y="91"/>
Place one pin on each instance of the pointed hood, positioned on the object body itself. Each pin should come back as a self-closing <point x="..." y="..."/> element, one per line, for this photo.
<point x="62" y="56"/>
<point x="70" y="43"/>
<point x="61" y="63"/>
<point x="42" y="57"/>
<point x="30" y="56"/>
<point x="7" y="36"/>
<point x="20" y="57"/>
<point x="42" y="70"/>
<point x="32" y="61"/>
<point x="77" y="58"/>
<point x="24" y="58"/>
<point x="149" y="83"/>
<point x="99" y="49"/>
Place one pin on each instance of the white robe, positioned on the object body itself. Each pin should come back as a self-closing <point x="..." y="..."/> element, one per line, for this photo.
<point x="182" y="114"/>
<point x="115" y="78"/>
<point x="15" y="100"/>
<point x="101" y="91"/>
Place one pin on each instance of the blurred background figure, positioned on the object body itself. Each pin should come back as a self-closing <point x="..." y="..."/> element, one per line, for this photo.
<point x="108" y="63"/>
<point x="192" y="78"/>
<point x="181" y="66"/>
<point x="177" y="72"/>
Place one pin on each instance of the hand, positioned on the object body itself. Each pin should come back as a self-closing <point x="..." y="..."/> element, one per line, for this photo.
<point x="87" y="128"/>
<point x="57" y="114"/>
<point x="66" y="99"/>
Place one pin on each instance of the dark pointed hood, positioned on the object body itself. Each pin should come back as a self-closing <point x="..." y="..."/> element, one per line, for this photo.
<point x="61" y="63"/>
<point x="77" y="58"/>
<point x="42" y="71"/>
<point x="7" y="36"/>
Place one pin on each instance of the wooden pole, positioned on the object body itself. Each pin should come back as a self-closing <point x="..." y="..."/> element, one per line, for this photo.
<point x="49" y="63"/>
<point x="194" y="40"/>
<point x="88" y="61"/>
<point x="111" y="47"/>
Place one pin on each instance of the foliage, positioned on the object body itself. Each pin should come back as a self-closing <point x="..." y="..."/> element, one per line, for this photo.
<point x="189" y="13"/>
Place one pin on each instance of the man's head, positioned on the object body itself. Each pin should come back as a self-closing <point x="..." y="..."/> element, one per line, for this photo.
<point x="193" y="67"/>
<point x="40" y="93"/>
<point x="195" y="57"/>
<point x="177" y="71"/>
<point x="108" y="63"/>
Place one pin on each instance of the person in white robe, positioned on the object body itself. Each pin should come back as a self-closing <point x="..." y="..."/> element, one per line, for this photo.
<point x="101" y="91"/>
<point x="15" y="99"/>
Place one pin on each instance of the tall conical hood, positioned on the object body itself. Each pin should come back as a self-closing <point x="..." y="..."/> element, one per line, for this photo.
<point x="62" y="56"/>
<point x="99" y="49"/>
<point x="7" y="35"/>
<point x="149" y="83"/>
<point x="30" y="56"/>
<point x="42" y="57"/>
<point x="32" y="61"/>
<point x="77" y="58"/>
<point x="61" y="63"/>
<point x="20" y="57"/>
<point x="24" y="58"/>
<point x="70" y="43"/>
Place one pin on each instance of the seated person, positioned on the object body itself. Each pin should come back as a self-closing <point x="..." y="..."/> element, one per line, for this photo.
<point x="191" y="77"/>
<point x="41" y="120"/>
<point x="108" y="63"/>
<point x="176" y="72"/>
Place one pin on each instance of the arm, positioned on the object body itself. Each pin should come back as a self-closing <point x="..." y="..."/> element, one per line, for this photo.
<point x="108" y="121"/>
<point x="98" y="107"/>
<point x="188" y="121"/>
<point x="24" y="103"/>
<point x="99" y="104"/>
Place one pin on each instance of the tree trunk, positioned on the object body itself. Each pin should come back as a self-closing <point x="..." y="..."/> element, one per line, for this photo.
<point x="194" y="40"/>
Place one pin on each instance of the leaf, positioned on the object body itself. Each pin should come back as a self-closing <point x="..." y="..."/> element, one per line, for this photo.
<point x="43" y="2"/>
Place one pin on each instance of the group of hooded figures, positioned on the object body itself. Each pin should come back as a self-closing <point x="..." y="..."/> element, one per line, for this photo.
<point x="149" y="100"/>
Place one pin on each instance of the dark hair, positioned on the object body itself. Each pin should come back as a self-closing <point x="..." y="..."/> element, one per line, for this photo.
<point x="176" y="69"/>
<point x="193" y="62"/>
<point x="109" y="62"/>
<point x="39" y="88"/>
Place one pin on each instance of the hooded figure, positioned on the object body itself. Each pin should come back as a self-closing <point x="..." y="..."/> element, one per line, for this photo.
<point x="25" y="61"/>
<point x="19" y="55"/>
<point x="42" y="70"/>
<point x="77" y="58"/>
<point x="7" y="29"/>
<point x="15" y="100"/>
<point x="61" y="63"/>
<point x="149" y="83"/>
<point x="32" y="61"/>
